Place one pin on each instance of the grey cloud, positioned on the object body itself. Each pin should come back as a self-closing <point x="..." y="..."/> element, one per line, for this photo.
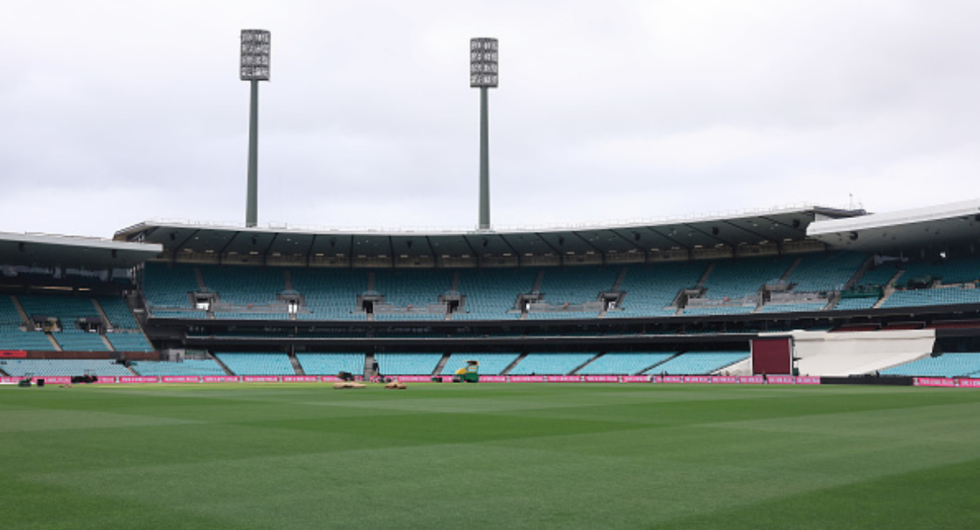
<point x="617" y="110"/>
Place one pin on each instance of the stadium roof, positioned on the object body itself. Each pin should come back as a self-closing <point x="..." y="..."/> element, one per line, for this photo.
<point x="734" y="229"/>
<point x="933" y="227"/>
<point x="87" y="253"/>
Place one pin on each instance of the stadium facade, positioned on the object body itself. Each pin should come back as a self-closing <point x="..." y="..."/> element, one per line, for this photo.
<point x="857" y="293"/>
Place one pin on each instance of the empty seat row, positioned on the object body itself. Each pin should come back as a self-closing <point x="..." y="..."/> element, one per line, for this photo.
<point x="719" y="310"/>
<point x="794" y="307"/>
<point x="15" y="339"/>
<point x="63" y="367"/>
<point x="244" y="285"/>
<point x="169" y="286"/>
<point x="407" y="363"/>
<point x="129" y="341"/>
<point x="825" y="272"/>
<point x="738" y="279"/>
<point x="699" y="363"/>
<point x="649" y="290"/>
<point x="624" y="363"/>
<point x="77" y="340"/>
<point x="550" y="363"/>
<point x="929" y="297"/>
<point x="185" y="367"/>
<point x="331" y="363"/>
<point x="67" y="308"/>
<point x="492" y="294"/>
<point x="257" y="363"/>
<point x="945" y="365"/>
<point x="118" y="312"/>
<point x="848" y="304"/>
<point x="577" y="285"/>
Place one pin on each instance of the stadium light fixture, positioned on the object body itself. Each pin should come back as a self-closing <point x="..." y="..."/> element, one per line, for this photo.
<point x="483" y="63"/>
<point x="254" y="67"/>
<point x="484" y="75"/>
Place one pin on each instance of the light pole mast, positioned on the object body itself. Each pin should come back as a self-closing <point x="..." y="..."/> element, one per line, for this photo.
<point x="254" y="67"/>
<point x="483" y="75"/>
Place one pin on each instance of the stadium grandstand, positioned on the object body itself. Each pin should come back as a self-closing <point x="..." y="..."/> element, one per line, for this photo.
<point x="681" y="297"/>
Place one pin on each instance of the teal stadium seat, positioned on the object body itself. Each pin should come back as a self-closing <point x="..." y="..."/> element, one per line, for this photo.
<point x="932" y="297"/>
<point x="124" y="341"/>
<point x="118" y="313"/>
<point x="795" y="307"/>
<point x="241" y="285"/>
<point x="185" y="367"/>
<point x="9" y="316"/>
<point x="331" y="363"/>
<point x="12" y="335"/>
<point x="624" y="363"/>
<point x="491" y="293"/>
<point x="577" y="285"/>
<point x="953" y="270"/>
<point x="550" y="363"/>
<point x="257" y="363"/>
<point x="561" y="315"/>
<point x="849" y="304"/>
<point x="650" y="289"/>
<point x="330" y="294"/>
<point x="718" y="310"/>
<point x="191" y="314"/>
<point x="63" y="367"/>
<point x="67" y="308"/>
<point x="737" y="279"/>
<point x="169" y="287"/>
<point x="407" y="363"/>
<point x="416" y="288"/>
<point x="13" y="338"/>
<point x="412" y="315"/>
<point x="250" y="315"/>
<point x="77" y="340"/>
<point x="699" y="363"/>
<point x="946" y="365"/>
<point x="825" y="272"/>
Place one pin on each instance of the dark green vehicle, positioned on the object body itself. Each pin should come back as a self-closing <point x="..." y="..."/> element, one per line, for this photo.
<point x="469" y="374"/>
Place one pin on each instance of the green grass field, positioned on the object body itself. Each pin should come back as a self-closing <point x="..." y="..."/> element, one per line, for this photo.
<point x="489" y="456"/>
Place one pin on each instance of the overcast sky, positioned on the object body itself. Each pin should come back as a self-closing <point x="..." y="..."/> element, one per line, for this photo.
<point x="116" y="112"/>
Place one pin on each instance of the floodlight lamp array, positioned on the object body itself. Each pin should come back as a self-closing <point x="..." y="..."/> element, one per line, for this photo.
<point x="483" y="63"/>
<point x="255" y="58"/>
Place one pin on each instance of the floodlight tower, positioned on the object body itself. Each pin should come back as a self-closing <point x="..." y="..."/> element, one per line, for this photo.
<point x="483" y="75"/>
<point x="254" y="67"/>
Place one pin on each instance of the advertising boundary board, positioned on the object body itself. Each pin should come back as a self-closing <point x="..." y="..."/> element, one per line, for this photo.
<point x="261" y="379"/>
<point x="935" y="381"/>
<point x="564" y="379"/>
<point x="413" y="378"/>
<point x="180" y="379"/>
<point x="602" y="379"/>
<point x="527" y="379"/>
<point x="943" y="382"/>
<point x="221" y="379"/>
<point x="140" y="379"/>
